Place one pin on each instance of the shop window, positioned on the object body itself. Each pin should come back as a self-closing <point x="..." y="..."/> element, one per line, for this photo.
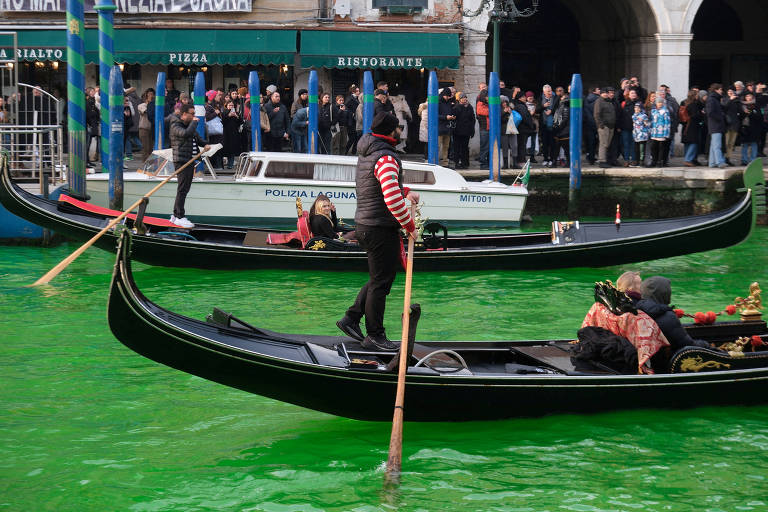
<point x="418" y="177"/>
<point x="334" y="172"/>
<point x="290" y="170"/>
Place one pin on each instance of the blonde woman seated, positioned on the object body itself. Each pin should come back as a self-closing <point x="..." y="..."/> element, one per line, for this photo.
<point x="323" y="220"/>
<point x="630" y="283"/>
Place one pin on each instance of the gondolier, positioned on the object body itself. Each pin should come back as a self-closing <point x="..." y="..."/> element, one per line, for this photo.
<point x="381" y="212"/>
<point x="186" y="143"/>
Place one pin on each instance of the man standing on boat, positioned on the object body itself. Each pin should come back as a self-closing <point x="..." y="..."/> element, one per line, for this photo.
<point x="381" y="212"/>
<point x="186" y="143"/>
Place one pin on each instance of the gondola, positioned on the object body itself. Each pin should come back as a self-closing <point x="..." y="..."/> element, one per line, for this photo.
<point x="567" y="245"/>
<point x="446" y="381"/>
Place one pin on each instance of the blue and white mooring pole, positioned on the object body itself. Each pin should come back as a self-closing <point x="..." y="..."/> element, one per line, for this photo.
<point x="312" y="113"/>
<point x="115" y="138"/>
<point x="160" y="110"/>
<point x="494" y="128"/>
<point x="433" y="148"/>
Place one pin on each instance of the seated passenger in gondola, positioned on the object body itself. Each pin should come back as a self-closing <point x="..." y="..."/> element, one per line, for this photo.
<point x="630" y="283"/>
<point x="656" y="296"/>
<point x="323" y="220"/>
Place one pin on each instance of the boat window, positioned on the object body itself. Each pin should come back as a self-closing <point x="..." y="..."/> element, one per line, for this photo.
<point x="418" y="177"/>
<point x="290" y="170"/>
<point x="334" y="172"/>
<point x="252" y="168"/>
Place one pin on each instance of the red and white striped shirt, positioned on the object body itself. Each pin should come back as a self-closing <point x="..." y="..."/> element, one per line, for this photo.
<point x="386" y="171"/>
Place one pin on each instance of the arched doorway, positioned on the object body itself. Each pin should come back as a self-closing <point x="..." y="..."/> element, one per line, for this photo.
<point x="729" y="42"/>
<point x="604" y="41"/>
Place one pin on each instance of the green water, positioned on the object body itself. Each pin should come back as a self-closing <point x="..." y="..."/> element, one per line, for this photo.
<point x="86" y="424"/>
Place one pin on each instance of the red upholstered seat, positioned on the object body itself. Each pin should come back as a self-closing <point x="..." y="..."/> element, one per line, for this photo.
<point x="88" y="207"/>
<point x="302" y="233"/>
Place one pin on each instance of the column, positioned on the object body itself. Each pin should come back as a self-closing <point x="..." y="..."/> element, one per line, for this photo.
<point x="674" y="62"/>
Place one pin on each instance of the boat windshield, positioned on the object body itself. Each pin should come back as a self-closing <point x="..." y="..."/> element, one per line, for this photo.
<point x="334" y="172"/>
<point x="418" y="177"/>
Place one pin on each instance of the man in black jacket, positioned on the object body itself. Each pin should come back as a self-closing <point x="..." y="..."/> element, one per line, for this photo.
<point x="381" y="212"/>
<point x="715" y="125"/>
<point x="590" y="128"/>
<point x="605" y="119"/>
<point x="279" y="123"/>
<point x="186" y="143"/>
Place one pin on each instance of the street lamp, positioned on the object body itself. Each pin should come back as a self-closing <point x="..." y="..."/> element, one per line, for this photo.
<point x="503" y="11"/>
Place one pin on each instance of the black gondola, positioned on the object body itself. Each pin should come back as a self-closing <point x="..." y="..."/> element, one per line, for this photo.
<point x="578" y="245"/>
<point x="490" y="380"/>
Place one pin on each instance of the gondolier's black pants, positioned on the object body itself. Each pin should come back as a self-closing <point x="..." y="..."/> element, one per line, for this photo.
<point x="382" y="244"/>
<point x="185" y="181"/>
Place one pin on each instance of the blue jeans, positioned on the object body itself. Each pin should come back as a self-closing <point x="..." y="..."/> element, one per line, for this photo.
<point x="483" y="156"/>
<point x="628" y="145"/>
<point x="748" y="152"/>
<point x="691" y="150"/>
<point x="299" y="141"/>
<point x="716" y="157"/>
<point x="131" y="140"/>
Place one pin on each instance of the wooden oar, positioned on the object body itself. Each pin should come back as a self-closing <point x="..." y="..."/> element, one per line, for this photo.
<point x="396" y="439"/>
<point x="72" y="257"/>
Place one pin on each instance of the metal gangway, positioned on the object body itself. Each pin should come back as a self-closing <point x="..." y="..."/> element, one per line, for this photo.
<point x="31" y="129"/>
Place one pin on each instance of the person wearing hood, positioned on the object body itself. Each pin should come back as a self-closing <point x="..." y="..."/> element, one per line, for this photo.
<point x="656" y="295"/>
<point x="381" y="212"/>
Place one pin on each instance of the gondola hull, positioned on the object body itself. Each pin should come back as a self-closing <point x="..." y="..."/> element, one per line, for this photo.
<point x="223" y="247"/>
<point x="310" y="371"/>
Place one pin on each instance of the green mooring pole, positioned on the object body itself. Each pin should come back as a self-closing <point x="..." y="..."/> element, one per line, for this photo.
<point x="106" y="10"/>
<point x="76" y="98"/>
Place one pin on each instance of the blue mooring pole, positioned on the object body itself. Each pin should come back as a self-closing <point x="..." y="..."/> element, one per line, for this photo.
<point x="312" y="112"/>
<point x="433" y="148"/>
<point x="254" y="89"/>
<point x="78" y="153"/>
<point x="574" y="185"/>
<point x="198" y="96"/>
<point x="115" y="138"/>
<point x="367" y="101"/>
<point x="494" y="128"/>
<point x="159" y="110"/>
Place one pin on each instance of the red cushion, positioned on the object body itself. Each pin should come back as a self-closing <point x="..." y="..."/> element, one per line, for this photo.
<point x="152" y="221"/>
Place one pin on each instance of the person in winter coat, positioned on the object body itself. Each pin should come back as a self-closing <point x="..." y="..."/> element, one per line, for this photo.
<point x="526" y="128"/>
<point x="508" y="141"/>
<point x="605" y="119"/>
<point x="547" y="107"/>
<point x="324" y="123"/>
<point x="351" y="103"/>
<point x="641" y="130"/>
<point x="751" y="127"/>
<point x="561" y="128"/>
<point x="146" y="111"/>
<point x="465" y="130"/>
<point x="590" y="127"/>
<point x="715" y="125"/>
<point x="213" y="111"/>
<point x="279" y="123"/>
<point x="299" y="125"/>
<point x="131" y="136"/>
<point x="731" y="109"/>
<point x="186" y="143"/>
<point x="232" y="121"/>
<point x="694" y="107"/>
<point x="660" y="132"/>
<point x="446" y="121"/>
<point x="625" y="125"/>
<point x="481" y="112"/>
<point x="302" y="101"/>
<point x="339" y="120"/>
<point x="423" y="113"/>
<point x="657" y="293"/>
<point x="404" y="116"/>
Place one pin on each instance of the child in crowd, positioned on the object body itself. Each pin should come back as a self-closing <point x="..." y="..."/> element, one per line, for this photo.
<point x="641" y="128"/>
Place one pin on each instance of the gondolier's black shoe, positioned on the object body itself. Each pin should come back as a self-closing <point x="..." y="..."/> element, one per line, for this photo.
<point x="350" y="328"/>
<point x="379" y="342"/>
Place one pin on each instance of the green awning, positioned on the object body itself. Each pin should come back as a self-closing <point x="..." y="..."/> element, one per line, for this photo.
<point x="386" y="50"/>
<point x="172" y="46"/>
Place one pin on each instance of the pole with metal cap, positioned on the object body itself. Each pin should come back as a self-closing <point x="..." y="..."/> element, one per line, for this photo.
<point x="433" y="149"/>
<point x="198" y="96"/>
<point x="254" y="89"/>
<point x="76" y="98"/>
<point x="312" y="113"/>
<point x="116" y="135"/>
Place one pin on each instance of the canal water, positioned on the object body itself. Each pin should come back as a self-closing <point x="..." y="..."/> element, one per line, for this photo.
<point x="86" y="424"/>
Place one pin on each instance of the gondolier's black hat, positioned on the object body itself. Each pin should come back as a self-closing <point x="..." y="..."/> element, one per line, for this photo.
<point x="384" y="123"/>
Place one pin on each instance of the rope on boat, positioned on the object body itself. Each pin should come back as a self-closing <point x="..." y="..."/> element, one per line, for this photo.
<point x="448" y="352"/>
